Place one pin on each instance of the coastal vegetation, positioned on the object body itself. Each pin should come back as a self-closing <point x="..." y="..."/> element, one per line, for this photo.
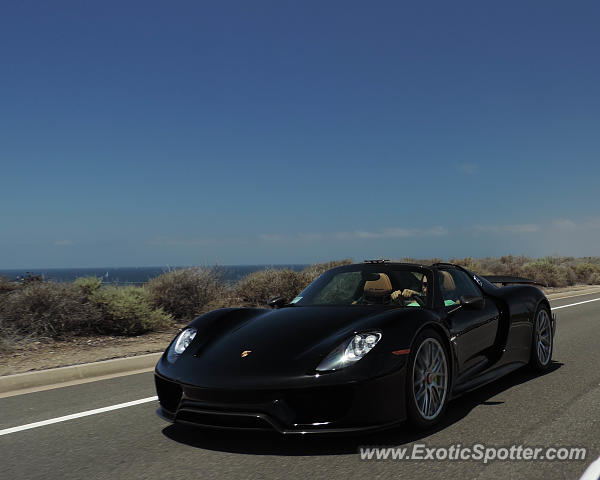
<point x="38" y="309"/>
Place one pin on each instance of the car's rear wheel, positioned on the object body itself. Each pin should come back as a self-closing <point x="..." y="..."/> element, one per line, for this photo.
<point x="428" y="380"/>
<point x="542" y="341"/>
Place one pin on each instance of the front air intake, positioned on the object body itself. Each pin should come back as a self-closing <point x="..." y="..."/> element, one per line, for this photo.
<point x="169" y="393"/>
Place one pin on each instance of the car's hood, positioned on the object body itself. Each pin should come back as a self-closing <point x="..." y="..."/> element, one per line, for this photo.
<point x="289" y="342"/>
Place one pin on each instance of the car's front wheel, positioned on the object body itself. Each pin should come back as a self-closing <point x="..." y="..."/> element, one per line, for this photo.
<point x="428" y="380"/>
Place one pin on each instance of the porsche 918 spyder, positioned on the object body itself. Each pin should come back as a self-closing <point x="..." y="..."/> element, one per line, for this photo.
<point x="363" y="347"/>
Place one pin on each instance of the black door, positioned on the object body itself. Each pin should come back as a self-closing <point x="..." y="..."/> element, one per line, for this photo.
<point x="474" y="329"/>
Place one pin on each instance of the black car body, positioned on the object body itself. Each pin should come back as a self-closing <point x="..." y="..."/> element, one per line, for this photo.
<point x="255" y="368"/>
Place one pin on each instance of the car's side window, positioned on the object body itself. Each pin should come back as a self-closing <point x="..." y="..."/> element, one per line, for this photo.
<point x="454" y="284"/>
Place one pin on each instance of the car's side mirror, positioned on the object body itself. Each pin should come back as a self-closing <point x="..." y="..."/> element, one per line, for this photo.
<point x="473" y="302"/>
<point x="276" y="302"/>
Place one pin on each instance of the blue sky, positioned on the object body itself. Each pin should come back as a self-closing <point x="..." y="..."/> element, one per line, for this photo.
<point x="154" y="133"/>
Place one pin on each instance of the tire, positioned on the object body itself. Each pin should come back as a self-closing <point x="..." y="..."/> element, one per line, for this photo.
<point x="427" y="380"/>
<point x="542" y="340"/>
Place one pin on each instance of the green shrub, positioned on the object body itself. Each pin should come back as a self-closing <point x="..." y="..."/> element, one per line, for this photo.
<point x="128" y="311"/>
<point x="421" y="261"/>
<point x="313" y="271"/>
<point x="507" y="265"/>
<point x="35" y="308"/>
<point x="475" y="265"/>
<point x="587" y="272"/>
<point x="31" y="278"/>
<point x="258" y="287"/>
<point x="185" y="293"/>
<point x="551" y="270"/>
<point x="47" y="309"/>
<point x="7" y="340"/>
<point x="7" y="286"/>
<point x="54" y="310"/>
<point x="570" y="274"/>
<point x="547" y="273"/>
<point x="88" y="285"/>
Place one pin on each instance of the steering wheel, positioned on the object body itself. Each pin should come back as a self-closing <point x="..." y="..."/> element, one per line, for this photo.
<point x="417" y="298"/>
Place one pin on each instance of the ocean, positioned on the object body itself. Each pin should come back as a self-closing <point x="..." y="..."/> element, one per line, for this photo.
<point x="131" y="275"/>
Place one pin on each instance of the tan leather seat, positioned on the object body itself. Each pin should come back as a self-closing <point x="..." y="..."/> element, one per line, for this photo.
<point x="448" y="286"/>
<point x="378" y="288"/>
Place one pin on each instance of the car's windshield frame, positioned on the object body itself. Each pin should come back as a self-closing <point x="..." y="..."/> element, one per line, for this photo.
<point x="309" y="294"/>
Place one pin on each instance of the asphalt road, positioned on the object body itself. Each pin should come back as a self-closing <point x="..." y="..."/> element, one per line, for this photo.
<point x="560" y="408"/>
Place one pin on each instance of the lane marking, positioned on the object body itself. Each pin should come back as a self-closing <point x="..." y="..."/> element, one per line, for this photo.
<point x="573" y="304"/>
<point x="70" y="383"/>
<point x="592" y="472"/>
<point x="87" y="413"/>
<point x="571" y="296"/>
<point x="73" y="416"/>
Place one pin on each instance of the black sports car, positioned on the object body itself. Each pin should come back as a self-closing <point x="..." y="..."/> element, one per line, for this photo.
<point x="363" y="347"/>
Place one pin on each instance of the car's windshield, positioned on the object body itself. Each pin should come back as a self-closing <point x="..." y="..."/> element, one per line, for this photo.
<point x="368" y="285"/>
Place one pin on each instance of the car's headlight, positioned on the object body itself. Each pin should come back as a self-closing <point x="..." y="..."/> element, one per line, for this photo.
<point x="182" y="341"/>
<point x="350" y="352"/>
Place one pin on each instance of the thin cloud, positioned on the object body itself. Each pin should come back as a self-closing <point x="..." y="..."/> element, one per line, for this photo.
<point x="396" y="233"/>
<point x="594" y="223"/>
<point x="516" y="228"/>
<point x="63" y="243"/>
<point x="468" y="168"/>
<point x="274" y="237"/>
<point x="568" y="224"/>
<point x="180" y="242"/>
<point x="356" y="234"/>
<point x="311" y="236"/>
<point x="564" y="224"/>
<point x="278" y="237"/>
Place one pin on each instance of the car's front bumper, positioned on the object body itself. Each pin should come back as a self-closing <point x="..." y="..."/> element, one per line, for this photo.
<point x="351" y="407"/>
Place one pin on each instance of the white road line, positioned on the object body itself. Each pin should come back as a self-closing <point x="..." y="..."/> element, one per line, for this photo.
<point x="573" y="304"/>
<point x="571" y="296"/>
<point x="592" y="472"/>
<point x="87" y="413"/>
<point x="6" y="431"/>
